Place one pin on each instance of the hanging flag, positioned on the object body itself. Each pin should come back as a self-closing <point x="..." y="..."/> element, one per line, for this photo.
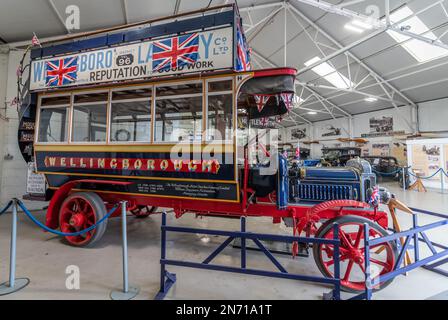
<point x="14" y="102"/>
<point x="35" y="41"/>
<point x="375" y="197"/>
<point x="61" y="72"/>
<point x="298" y="151"/>
<point x="243" y="53"/>
<point x="261" y="100"/>
<point x="175" y="52"/>
<point x="288" y="100"/>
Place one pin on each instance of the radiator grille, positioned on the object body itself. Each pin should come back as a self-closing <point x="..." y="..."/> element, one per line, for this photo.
<point x="325" y="192"/>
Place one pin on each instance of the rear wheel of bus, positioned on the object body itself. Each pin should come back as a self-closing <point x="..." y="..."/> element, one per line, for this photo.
<point x="80" y="211"/>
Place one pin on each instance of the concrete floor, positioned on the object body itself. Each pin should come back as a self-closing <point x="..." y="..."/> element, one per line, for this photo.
<point x="43" y="258"/>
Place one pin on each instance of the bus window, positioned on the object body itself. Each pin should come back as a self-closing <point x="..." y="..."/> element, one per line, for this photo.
<point x="242" y="133"/>
<point x="53" y="124"/>
<point x="178" y="113"/>
<point x="220" y="110"/>
<point x="131" y="115"/>
<point x="53" y="117"/>
<point x="90" y="117"/>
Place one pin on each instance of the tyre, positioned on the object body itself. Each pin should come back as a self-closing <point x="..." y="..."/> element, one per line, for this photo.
<point x="383" y="256"/>
<point x="80" y="211"/>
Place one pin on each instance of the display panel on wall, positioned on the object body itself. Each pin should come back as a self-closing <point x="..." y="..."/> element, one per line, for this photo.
<point x="381" y="126"/>
<point x="426" y="160"/>
<point x="426" y="157"/>
<point x="297" y="133"/>
<point x="331" y="131"/>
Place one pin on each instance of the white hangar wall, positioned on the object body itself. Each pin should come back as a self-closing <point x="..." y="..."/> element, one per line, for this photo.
<point x="3" y="123"/>
<point x="433" y="116"/>
<point x="13" y="169"/>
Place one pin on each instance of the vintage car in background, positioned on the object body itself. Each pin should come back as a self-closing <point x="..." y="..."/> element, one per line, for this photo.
<point x="385" y="167"/>
<point x="338" y="157"/>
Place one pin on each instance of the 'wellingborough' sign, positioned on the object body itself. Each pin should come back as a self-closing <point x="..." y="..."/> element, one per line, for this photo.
<point x="194" y="52"/>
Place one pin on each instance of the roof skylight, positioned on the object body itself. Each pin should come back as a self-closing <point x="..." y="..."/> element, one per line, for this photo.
<point x="330" y="74"/>
<point x="420" y="50"/>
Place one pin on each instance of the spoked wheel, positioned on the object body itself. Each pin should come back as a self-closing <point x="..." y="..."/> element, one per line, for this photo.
<point x="80" y="211"/>
<point x="352" y="253"/>
<point x="143" y="212"/>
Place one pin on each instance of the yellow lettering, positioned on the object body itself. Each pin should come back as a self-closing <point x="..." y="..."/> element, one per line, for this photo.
<point x="113" y="163"/>
<point x="218" y="166"/>
<point x="192" y="166"/>
<point x="164" y="165"/>
<point x="81" y="163"/>
<point x="52" y="161"/>
<point x="207" y="166"/>
<point x="101" y="163"/>
<point x="151" y="165"/>
<point x="63" y="163"/>
<point x="177" y="165"/>
<point x="125" y="163"/>
<point x="138" y="164"/>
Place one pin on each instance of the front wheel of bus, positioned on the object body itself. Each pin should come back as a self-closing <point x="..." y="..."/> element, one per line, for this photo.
<point x="383" y="256"/>
<point x="80" y="211"/>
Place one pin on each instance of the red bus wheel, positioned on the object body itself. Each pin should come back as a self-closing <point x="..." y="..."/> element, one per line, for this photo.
<point x="352" y="253"/>
<point x="80" y="211"/>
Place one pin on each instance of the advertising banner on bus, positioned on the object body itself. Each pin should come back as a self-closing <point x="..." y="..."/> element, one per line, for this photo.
<point x="193" y="52"/>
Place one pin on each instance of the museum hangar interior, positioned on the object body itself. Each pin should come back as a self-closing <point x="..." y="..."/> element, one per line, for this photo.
<point x="273" y="150"/>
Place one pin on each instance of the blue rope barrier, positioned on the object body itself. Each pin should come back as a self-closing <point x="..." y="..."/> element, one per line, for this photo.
<point x="427" y="178"/>
<point x="59" y="233"/>
<point x="410" y="173"/>
<point x="6" y="207"/>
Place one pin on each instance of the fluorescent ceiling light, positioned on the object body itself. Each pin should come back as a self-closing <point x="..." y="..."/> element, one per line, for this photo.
<point x="330" y="74"/>
<point x="312" y="113"/>
<point x="362" y="24"/>
<point x="420" y="50"/>
<point x="370" y="99"/>
<point x="353" y="28"/>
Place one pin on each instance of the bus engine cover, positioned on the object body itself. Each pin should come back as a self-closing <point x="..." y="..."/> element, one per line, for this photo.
<point x="310" y="184"/>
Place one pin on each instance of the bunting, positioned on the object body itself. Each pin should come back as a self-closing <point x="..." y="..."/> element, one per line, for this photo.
<point x="261" y="100"/>
<point x="288" y="100"/>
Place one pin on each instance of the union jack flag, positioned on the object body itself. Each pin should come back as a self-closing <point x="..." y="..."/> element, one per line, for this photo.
<point x="243" y="61"/>
<point x="298" y="151"/>
<point x="175" y="52"/>
<point x="261" y="100"/>
<point x="288" y="100"/>
<point x="375" y="197"/>
<point x="61" y="72"/>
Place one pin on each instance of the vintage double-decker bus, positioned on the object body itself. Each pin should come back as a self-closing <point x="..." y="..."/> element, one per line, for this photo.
<point x="159" y="113"/>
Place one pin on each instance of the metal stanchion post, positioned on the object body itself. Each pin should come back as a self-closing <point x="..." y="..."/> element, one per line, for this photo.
<point x="368" y="290"/>
<point x="442" y="181"/>
<point x="128" y="292"/>
<point x="404" y="178"/>
<point x="13" y="285"/>
<point x="243" y="243"/>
